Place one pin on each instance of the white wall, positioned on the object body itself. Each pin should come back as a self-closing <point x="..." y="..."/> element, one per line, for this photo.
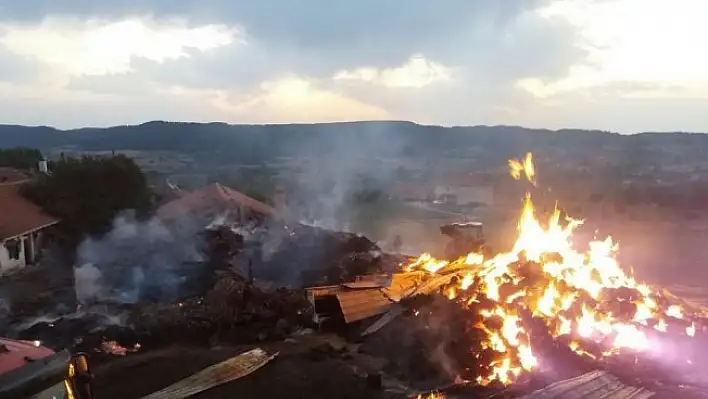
<point x="7" y="264"/>
<point x="481" y="194"/>
<point x="467" y="195"/>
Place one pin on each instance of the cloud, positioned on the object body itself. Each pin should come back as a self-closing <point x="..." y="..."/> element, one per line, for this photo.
<point x="417" y="72"/>
<point x="74" y="63"/>
<point x="659" y="47"/>
<point x="99" y="47"/>
<point x="14" y="68"/>
<point x="293" y="99"/>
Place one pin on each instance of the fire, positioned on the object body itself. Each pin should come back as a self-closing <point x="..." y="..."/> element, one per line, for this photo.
<point x="544" y="285"/>
<point x="525" y="166"/>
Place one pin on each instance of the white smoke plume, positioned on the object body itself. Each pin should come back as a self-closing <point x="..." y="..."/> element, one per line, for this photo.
<point x="137" y="259"/>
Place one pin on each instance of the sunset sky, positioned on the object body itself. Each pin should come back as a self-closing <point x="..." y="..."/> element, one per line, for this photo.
<point x="620" y="65"/>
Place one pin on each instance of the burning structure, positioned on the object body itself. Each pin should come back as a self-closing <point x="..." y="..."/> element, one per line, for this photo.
<point x="546" y="307"/>
<point x="511" y="322"/>
<point x="542" y="312"/>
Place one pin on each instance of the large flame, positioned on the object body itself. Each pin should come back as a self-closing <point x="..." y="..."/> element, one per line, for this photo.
<point x="583" y="297"/>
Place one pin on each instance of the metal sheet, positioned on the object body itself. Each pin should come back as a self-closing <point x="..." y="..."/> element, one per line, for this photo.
<point x="366" y="284"/>
<point x="593" y="385"/>
<point x="402" y="284"/>
<point x="35" y="377"/>
<point x="396" y="310"/>
<point x="218" y="374"/>
<point x="315" y="292"/>
<point x="370" y="295"/>
<point x="361" y="304"/>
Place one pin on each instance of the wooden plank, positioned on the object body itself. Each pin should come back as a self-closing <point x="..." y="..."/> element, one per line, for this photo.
<point x="218" y="374"/>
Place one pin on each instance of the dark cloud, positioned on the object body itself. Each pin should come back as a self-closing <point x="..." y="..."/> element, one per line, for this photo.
<point x="498" y="41"/>
<point x="351" y="31"/>
<point x="489" y="44"/>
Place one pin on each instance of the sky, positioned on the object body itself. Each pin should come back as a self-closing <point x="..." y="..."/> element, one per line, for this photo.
<point x="619" y="65"/>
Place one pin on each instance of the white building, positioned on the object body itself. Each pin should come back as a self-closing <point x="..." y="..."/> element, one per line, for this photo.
<point x="22" y="224"/>
<point x="467" y="190"/>
<point x="483" y="195"/>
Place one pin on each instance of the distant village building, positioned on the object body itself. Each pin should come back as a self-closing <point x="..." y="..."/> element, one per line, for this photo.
<point x="22" y="224"/>
<point x="412" y="192"/>
<point x="466" y="190"/>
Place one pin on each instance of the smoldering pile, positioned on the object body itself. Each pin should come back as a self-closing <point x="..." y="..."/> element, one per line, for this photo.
<point x="299" y="255"/>
<point x="244" y="285"/>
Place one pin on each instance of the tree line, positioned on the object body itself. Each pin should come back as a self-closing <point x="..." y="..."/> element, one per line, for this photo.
<point x="85" y="193"/>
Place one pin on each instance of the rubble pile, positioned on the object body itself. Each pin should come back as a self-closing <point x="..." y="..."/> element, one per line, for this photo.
<point x="300" y="255"/>
<point x="247" y="288"/>
<point x="232" y="311"/>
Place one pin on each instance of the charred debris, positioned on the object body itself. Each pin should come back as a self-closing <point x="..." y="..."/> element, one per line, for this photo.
<point x="245" y="285"/>
<point x="266" y="281"/>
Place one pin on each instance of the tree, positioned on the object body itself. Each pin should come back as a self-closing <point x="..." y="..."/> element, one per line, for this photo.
<point x="87" y="193"/>
<point x="20" y="158"/>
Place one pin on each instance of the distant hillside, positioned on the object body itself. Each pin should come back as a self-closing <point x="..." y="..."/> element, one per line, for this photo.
<point x="260" y="143"/>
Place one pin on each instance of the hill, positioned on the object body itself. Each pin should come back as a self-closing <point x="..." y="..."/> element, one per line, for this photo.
<point x="261" y="143"/>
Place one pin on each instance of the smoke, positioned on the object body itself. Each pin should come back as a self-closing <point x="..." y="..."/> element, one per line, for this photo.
<point x="338" y="175"/>
<point x="138" y="260"/>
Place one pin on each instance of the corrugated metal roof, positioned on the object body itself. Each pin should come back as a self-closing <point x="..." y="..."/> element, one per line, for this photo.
<point x="217" y="374"/>
<point x="361" y="304"/>
<point x="365" y="298"/>
<point x="357" y="285"/>
<point x="593" y="385"/>
<point x="322" y="291"/>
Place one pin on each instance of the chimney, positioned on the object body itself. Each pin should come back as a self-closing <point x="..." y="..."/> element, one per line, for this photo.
<point x="43" y="166"/>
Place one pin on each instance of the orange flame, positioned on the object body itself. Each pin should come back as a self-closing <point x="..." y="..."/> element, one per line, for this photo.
<point x="525" y="166"/>
<point x="571" y="291"/>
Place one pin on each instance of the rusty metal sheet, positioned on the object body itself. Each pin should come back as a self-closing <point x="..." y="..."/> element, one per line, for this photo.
<point x="364" y="303"/>
<point x="361" y="304"/>
<point x="365" y="284"/>
<point x="593" y="385"/>
<point x="433" y="284"/>
<point x="323" y="290"/>
<point x="369" y="295"/>
<point x="218" y="374"/>
<point x="402" y="284"/>
<point x="394" y="311"/>
<point x="426" y="287"/>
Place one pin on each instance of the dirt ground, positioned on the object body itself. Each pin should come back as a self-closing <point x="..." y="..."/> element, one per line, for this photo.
<point x="296" y="373"/>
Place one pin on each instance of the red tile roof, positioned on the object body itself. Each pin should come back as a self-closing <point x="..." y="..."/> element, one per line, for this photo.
<point x="210" y="197"/>
<point x="18" y="215"/>
<point x="15" y="354"/>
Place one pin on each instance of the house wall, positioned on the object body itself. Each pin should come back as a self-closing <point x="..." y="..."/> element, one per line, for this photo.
<point x="29" y="245"/>
<point x="7" y="264"/>
<point x="467" y="195"/>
